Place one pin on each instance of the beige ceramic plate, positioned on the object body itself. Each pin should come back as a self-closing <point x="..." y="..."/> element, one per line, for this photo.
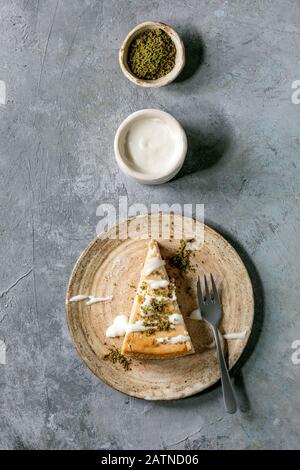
<point x="112" y="267"/>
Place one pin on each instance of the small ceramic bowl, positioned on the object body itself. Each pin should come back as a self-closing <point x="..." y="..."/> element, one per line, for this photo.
<point x="179" y="60"/>
<point x="160" y="176"/>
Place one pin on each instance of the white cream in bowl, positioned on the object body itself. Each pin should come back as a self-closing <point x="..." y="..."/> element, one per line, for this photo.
<point x="150" y="146"/>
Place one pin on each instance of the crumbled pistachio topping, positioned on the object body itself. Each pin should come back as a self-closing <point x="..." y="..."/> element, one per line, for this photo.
<point x="114" y="355"/>
<point x="154" y="306"/>
<point x="157" y="323"/>
<point x="181" y="260"/>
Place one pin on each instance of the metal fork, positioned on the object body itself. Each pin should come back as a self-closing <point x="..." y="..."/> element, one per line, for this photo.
<point x="211" y="312"/>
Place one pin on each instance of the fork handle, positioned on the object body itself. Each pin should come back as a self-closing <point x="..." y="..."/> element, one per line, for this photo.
<point x="228" y="392"/>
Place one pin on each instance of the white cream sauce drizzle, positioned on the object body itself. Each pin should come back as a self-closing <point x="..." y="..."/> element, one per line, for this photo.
<point x="95" y="300"/>
<point x="152" y="265"/>
<point x="176" y="319"/>
<point x="158" y="283"/>
<point x="137" y="326"/>
<point x="173" y="340"/>
<point x="196" y="314"/>
<point x="166" y="299"/>
<point x="240" y="335"/>
<point x="228" y="336"/>
<point x="79" y="297"/>
<point x="118" y="327"/>
<point x="92" y="299"/>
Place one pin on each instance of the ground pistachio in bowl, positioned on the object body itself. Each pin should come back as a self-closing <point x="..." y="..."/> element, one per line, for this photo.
<point x="152" y="54"/>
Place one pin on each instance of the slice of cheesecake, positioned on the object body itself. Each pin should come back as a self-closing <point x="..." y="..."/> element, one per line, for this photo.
<point x="156" y="327"/>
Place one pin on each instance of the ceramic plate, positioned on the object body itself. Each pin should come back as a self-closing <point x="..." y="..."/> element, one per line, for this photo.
<point x="112" y="266"/>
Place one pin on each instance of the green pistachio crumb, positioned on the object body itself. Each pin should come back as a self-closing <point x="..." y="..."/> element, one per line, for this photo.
<point x="151" y="54"/>
<point x="181" y="260"/>
<point x="114" y="355"/>
<point x="157" y="323"/>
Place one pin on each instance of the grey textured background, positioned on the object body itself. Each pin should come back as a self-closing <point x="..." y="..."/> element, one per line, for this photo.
<point x="66" y="97"/>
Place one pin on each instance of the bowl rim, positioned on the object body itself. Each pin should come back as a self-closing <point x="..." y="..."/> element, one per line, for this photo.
<point x="166" y="79"/>
<point x="138" y="175"/>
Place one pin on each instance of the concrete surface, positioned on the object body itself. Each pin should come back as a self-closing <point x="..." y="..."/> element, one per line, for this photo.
<point x="65" y="97"/>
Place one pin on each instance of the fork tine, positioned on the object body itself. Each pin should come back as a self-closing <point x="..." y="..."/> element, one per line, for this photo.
<point x="207" y="294"/>
<point x="199" y="292"/>
<point x="215" y="290"/>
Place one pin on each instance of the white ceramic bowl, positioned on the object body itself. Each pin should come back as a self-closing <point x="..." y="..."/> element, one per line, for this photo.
<point x="122" y="158"/>
<point x="179" y="60"/>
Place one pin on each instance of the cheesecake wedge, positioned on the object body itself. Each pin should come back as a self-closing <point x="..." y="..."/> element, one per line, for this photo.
<point x="156" y="327"/>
